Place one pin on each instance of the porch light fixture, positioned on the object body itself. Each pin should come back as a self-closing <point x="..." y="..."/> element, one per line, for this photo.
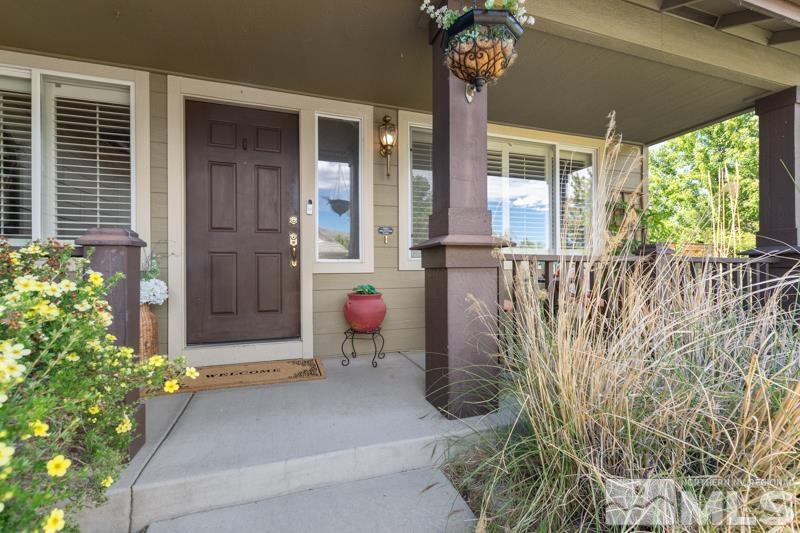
<point x="387" y="135"/>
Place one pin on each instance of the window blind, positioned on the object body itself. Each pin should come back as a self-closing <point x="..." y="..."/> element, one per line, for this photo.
<point x="527" y="166"/>
<point x="421" y="186"/>
<point x="575" y="191"/>
<point x="15" y="164"/>
<point x="92" y="165"/>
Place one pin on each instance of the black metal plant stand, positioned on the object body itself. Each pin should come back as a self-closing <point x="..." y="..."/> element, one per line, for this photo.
<point x="351" y="335"/>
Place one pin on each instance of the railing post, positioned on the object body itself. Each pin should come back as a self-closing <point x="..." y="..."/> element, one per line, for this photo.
<point x="119" y="250"/>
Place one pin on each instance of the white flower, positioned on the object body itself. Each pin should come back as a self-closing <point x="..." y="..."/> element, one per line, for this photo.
<point x="153" y="291"/>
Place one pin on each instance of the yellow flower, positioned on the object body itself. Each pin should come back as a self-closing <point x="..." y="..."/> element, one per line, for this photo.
<point x="39" y="428"/>
<point x="95" y="278"/>
<point x="93" y="410"/>
<point x="51" y="289"/>
<point x="13" y="297"/>
<point x="67" y="285"/>
<point x="54" y="522"/>
<point x="106" y="318"/>
<point x="27" y="284"/>
<point x="8" y="495"/>
<point x="82" y="306"/>
<point x="58" y="465"/>
<point x="72" y="357"/>
<point x="10" y="369"/>
<point x="14" y="256"/>
<point x="191" y="372"/>
<point x="126" y="352"/>
<point x="33" y="249"/>
<point x="46" y="310"/>
<point x="124" y="426"/>
<point x="110" y="337"/>
<point x="107" y="482"/>
<point x="6" y="452"/>
<point x="171" y="386"/>
<point x="15" y="351"/>
<point x="156" y="361"/>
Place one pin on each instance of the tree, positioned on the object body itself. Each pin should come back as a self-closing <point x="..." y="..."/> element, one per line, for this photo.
<point x="703" y="187"/>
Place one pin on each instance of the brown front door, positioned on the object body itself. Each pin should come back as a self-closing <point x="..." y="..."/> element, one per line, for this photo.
<point x="242" y="208"/>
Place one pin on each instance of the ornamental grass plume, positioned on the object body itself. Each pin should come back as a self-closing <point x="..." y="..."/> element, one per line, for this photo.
<point x="652" y="367"/>
<point x="65" y="426"/>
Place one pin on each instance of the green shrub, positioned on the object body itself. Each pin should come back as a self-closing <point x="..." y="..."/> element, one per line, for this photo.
<point x="65" y="426"/>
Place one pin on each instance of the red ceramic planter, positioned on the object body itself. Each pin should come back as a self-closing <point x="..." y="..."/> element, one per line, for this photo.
<point x="364" y="312"/>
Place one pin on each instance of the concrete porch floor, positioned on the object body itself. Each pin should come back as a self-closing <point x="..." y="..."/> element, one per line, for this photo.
<point x="218" y="449"/>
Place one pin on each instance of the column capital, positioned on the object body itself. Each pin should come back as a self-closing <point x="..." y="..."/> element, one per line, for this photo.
<point x="110" y="237"/>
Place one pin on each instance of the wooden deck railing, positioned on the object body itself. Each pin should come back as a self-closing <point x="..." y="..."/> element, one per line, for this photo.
<point x="739" y="273"/>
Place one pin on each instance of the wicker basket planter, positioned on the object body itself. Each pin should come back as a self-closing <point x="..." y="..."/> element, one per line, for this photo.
<point x="481" y="45"/>
<point x="148" y="332"/>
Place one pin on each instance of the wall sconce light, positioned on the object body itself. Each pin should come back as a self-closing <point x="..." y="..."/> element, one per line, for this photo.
<point x="387" y="135"/>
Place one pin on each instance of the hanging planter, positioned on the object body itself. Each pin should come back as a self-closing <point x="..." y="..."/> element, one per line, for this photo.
<point x="480" y="44"/>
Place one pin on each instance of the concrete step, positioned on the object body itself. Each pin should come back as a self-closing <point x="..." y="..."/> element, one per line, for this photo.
<point x="419" y="501"/>
<point x="231" y="447"/>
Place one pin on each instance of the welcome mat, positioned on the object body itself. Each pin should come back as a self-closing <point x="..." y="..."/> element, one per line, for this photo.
<point x="249" y="374"/>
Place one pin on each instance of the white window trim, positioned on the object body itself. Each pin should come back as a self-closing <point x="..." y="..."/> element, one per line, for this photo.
<point x="561" y="142"/>
<point x="365" y="261"/>
<point x="37" y="68"/>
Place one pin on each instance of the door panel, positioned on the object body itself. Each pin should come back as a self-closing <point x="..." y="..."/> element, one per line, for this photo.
<point x="242" y="187"/>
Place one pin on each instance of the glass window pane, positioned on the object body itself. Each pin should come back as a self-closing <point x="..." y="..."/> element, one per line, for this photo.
<point x="519" y="194"/>
<point x="421" y="184"/>
<point x="338" y="188"/>
<point x="87" y="181"/>
<point x="575" y="173"/>
<point x="15" y="158"/>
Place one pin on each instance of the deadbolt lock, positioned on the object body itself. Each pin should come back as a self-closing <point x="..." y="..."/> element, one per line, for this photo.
<point x="293" y="239"/>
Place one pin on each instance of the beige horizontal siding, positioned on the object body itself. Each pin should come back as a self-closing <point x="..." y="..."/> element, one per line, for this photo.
<point x="159" y="201"/>
<point x="403" y="291"/>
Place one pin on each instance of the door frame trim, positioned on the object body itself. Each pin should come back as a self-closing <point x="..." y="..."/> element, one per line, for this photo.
<point x="178" y="90"/>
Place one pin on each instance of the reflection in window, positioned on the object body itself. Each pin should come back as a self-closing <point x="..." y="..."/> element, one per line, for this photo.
<point x="575" y="189"/>
<point x="519" y="193"/>
<point x="421" y="185"/>
<point x="338" y="188"/>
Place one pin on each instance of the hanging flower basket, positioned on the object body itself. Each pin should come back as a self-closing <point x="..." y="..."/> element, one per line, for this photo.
<point x="481" y="45"/>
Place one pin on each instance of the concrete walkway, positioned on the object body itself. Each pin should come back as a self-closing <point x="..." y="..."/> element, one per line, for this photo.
<point x="225" y="448"/>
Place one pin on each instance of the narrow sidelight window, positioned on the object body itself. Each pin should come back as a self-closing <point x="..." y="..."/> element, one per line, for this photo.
<point x="338" y="189"/>
<point x="421" y="186"/>
<point x="575" y="182"/>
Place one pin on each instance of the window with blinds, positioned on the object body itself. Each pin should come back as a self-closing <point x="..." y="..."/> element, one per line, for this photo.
<point x="524" y="186"/>
<point x="421" y="184"/>
<point x="519" y="192"/>
<point x="91" y="159"/>
<point x="575" y="198"/>
<point x="15" y="158"/>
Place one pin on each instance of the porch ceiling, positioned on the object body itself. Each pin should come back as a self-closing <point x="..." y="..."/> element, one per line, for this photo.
<point x="377" y="52"/>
